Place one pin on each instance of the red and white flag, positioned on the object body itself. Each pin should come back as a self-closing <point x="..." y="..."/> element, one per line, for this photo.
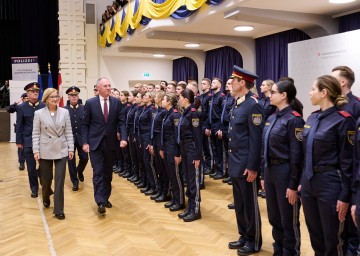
<point x="61" y="102"/>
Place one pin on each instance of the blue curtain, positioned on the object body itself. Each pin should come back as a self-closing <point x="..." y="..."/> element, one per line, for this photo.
<point x="349" y="22"/>
<point x="220" y="62"/>
<point x="184" y="68"/>
<point x="272" y="54"/>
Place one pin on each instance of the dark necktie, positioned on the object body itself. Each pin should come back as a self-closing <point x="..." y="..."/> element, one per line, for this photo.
<point x="309" y="148"/>
<point x="178" y="135"/>
<point x="153" y="124"/>
<point x="106" y="111"/>
<point x="211" y="108"/>
<point x="266" y="142"/>
<point x="162" y="132"/>
<point x="223" y="109"/>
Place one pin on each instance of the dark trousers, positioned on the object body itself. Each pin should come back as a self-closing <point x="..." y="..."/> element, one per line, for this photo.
<point x="83" y="160"/>
<point x="283" y="217"/>
<point x="140" y="157"/>
<point x="31" y="168"/>
<point x="357" y="212"/>
<point x="191" y="176"/>
<point x="208" y="160"/>
<point x="102" y="160"/>
<point x="47" y="177"/>
<point x="319" y="196"/>
<point x="133" y="156"/>
<point x="350" y="235"/>
<point x="163" y="178"/>
<point x="176" y="181"/>
<point x="217" y="149"/>
<point x="21" y="155"/>
<point x="148" y="162"/>
<point x="225" y="142"/>
<point x="247" y="212"/>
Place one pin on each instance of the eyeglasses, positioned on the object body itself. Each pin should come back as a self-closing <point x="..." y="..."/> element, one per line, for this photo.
<point x="54" y="97"/>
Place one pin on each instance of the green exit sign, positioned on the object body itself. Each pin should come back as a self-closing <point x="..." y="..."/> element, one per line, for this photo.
<point x="146" y="74"/>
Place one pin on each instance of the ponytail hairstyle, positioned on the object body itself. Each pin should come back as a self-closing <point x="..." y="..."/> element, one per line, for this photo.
<point x="188" y="94"/>
<point x="332" y="86"/>
<point x="290" y="89"/>
<point x="172" y="98"/>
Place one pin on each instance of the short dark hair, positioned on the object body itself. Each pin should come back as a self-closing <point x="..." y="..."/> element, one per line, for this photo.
<point x="347" y="73"/>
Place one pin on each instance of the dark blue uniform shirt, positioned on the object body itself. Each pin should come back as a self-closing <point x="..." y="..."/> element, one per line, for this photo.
<point x="145" y="119"/>
<point x="204" y="98"/>
<point x="214" y="113"/>
<point x="226" y="107"/>
<point x="169" y="127"/>
<point x="156" y="125"/>
<point x="353" y="106"/>
<point x="76" y="117"/>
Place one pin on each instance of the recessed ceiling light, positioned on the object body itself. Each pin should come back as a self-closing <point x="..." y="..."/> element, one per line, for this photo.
<point x="192" y="45"/>
<point x="159" y="55"/>
<point x="341" y="1"/>
<point x="244" y="28"/>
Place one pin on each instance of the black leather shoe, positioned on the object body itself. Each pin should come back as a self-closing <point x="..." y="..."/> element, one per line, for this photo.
<point x="202" y="186"/>
<point x="207" y="171"/>
<point x="236" y="244"/>
<point x="108" y="204"/>
<point x="21" y="166"/>
<point x="101" y="209"/>
<point x="81" y="176"/>
<point x="46" y="203"/>
<point x="75" y="187"/>
<point x="169" y="204"/>
<point x="226" y="180"/>
<point x="114" y="167"/>
<point x="218" y="177"/>
<point x="133" y="178"/>
<point x="153" y="197"/>
<point x="34" y="194"/>
<point x="262" y="194"/>
<point x="141" y="185"/>
<point x="146" y="189"/>
<point x="212" y="174"/>
<point x="60" y="216"/>
<point x="192" y="216"/>
<point x="245" y="250"/>
<point x="231" y="206"/>
<point x="150" y="192"/>
<point x="162" y="199"/>
<point x="230" y="183"/>
<point x="177" y="207"/>
<point x="138" y="182"/>
<point x="127" y="175"/>
<point x="184" y="213"/>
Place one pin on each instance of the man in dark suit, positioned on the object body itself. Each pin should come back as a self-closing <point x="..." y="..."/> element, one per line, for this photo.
<point x="76" y="111"/>
<point x="24" y="128"/>
<point x="103" y="117"/>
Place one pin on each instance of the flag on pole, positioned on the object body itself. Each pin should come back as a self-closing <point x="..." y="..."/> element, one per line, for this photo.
<point x="41" y="86"/>
<point x="61" y="102"/>
<point x="50" y="82"/>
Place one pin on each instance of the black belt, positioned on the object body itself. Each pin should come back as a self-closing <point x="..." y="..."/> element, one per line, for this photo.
<point x="278" y="161"/>
<point x="186" y="141"/>
<point x="325" y="168"/>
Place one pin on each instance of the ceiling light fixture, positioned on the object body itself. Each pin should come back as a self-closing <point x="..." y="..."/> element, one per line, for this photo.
<point x="192" y="45"/>
<point x="341" y="1"/>
<point x="159" y="55"/>
<point x="243" y="28"/>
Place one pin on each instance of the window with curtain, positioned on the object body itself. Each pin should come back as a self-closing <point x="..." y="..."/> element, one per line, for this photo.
<point x="184" y="68"/>
<point x="349" y="22"/>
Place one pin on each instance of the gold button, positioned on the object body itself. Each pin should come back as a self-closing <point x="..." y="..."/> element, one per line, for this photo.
<point x="230" y="128"/>
<point x="229" y="150"/>
<point x="232" y="117"/>
<point x="229" y="139"/>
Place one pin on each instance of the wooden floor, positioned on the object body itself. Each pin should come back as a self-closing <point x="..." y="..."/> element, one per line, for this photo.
<point x="135" y="225"/>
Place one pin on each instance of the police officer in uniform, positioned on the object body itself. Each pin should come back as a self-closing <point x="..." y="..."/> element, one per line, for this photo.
<point x="24" y="127"/>
<point x="326" y="181"/>
<point x="245" y="132"/>
<point x="76" y="111"/>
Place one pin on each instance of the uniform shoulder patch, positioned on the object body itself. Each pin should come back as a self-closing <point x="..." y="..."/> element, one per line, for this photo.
<point x="351" y="137"/>
<point x="193" y="109"/>
<point x="344" y="113"/>
<point x="195" y="122"/>
<point x="175" y="111"/>
<point x="295" y="113"/>
<point x="298" y="133"/>
<point x="257" y="119"/>
<point x="176" y="121"/>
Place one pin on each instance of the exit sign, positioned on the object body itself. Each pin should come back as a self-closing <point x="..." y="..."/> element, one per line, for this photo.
<point x="146" y="74"/>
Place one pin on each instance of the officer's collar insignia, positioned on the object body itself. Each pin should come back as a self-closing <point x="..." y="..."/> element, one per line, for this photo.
<point x="267" y="123"/>
<point x="195" y="122"/>
<point x="176" y="121"/>
<point x="34" y="104"/>
<point x="256" y="119"/>
<point x="307" y="126"/>
<point x="240" y="100"/>
<point x="351" y="137"/>
<point x="298" y="134"/>
<point x="75" y="107"/>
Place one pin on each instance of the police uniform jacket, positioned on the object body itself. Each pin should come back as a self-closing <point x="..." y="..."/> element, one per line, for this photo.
<point x="285" y="142"/>
<point x="245" y="135"/>
<point x="333" y="144"/>
<point x="156" y="125"/>
<point x="138" y="112"/>
<point x="226" y="107"/>
<point x="169" y="127"/>
<point x="52" y="137"/>
<point x="204" y="98"/>
<point x="215" y="104"/>
<point x="24" y="122"/>
<point x="356" y="173"/>
<point x="130" y="118"/>
<point x="190" y="130"/>
<point x="268" y="109"/>
<point x="145" y="119"/>
<point x="76" y="116"/>
<point x="353" y="105"/>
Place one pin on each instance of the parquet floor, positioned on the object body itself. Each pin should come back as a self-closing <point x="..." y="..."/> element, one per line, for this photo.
<point x="135" y="225"/>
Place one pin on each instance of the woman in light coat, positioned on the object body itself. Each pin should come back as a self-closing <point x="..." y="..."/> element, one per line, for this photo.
<point x="52" y="144"/>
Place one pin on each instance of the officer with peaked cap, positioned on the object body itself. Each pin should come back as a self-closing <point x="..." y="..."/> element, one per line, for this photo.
<point x="245" y="133"/>
<point x="76" y="111"/>
<point x="24" y="127"/>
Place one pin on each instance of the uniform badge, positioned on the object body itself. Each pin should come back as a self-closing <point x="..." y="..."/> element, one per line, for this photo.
<point x="298" y="134"/>
<point x="195" y="122"/>
<point x="351" y="137"/>
<point x="257" y="119"/>
<point x="176" y="121"/>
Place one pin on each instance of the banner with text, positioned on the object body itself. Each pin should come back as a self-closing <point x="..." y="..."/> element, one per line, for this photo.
<point x="24" y="68"/>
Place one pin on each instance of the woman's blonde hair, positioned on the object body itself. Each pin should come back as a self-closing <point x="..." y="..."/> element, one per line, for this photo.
<point x="47" y="93"/>
<point x="332" y="86"/>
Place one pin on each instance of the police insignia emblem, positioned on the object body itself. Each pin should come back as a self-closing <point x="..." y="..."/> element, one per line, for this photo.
<point x="257" y="119"/>
<point x="176" y="121"/>
<point x="351" y="137"/>
<point x="298" y="134"/>
<point x="195" y="122"/>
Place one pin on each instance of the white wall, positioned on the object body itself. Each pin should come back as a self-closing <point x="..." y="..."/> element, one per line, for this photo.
<point x="122" y="69"/>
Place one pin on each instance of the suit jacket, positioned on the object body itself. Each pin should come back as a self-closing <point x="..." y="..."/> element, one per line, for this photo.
<point x="53" y="140"/>
<point x="94" y="128"/>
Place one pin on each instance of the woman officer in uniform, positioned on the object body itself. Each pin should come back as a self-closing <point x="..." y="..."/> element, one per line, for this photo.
<point x="328" y="150"/>
<point x="189" y="140"/>
<point x="282" y="160"/>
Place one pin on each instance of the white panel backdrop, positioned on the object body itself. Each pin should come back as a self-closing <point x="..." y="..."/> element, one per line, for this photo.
<point x="315" y="57"/>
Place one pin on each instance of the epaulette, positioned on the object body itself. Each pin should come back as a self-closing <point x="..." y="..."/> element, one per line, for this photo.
<point x="344" y="113"/>
<point x="175" y="111"/>
<point x="129" y="105"/>
<point x="358" y="98"/>
<point x="222" y="94"/>
<point x="193" y="109"/>
<point x="153" y="107"/>
<point x="295" y="113"/>
<point x="255" y="98"/>
<point x="209" y="94"/>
